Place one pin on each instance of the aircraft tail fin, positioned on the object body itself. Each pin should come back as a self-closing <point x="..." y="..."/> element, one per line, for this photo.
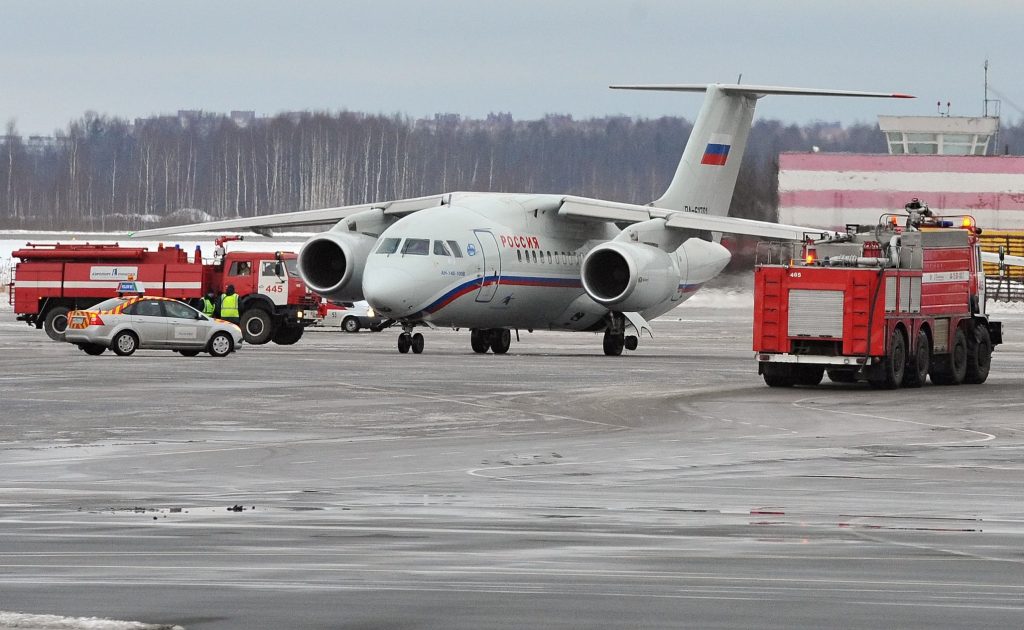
<point x="706" y="176"/>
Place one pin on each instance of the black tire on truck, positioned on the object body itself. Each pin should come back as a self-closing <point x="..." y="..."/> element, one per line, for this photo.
<point x="890" y="374"/>
<point x="56" y="322"/>
<point x="951" y="368"/>
<point x="257" y="326"/>
<point x="920" y="362"/>
<point x="979" y="355"/>
<point x="287" y="335"/>
<point x="778" y="374"/>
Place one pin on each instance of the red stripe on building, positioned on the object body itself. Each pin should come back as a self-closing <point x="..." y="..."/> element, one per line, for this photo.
<point x="937" y="201"/>
<point x="901" y="163"/>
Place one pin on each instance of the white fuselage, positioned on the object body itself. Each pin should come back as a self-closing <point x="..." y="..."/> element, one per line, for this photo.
<point x="506" y="261"/>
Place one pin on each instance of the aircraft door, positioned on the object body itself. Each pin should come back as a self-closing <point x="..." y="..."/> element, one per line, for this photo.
<point x="491" y="262"/>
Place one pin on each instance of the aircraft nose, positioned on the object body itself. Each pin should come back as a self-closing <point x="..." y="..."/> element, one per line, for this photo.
<point x="391" y="292"/>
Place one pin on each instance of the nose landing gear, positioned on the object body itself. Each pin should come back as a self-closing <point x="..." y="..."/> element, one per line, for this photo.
<point x="408" y="341"/>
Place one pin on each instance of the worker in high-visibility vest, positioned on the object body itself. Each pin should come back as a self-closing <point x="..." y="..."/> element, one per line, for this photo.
<point x="229" y="305"/>
<point x="210" y="303"/>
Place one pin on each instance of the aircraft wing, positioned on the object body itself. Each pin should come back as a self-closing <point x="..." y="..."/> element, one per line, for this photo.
<point x="599" y="210"/>
<point x="303" y="218"/>
<point x="994" y="258"/>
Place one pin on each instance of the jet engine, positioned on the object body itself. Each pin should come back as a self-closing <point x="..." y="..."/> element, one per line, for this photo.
<point x="629" y="276"/>
<point x="332" y="264"/>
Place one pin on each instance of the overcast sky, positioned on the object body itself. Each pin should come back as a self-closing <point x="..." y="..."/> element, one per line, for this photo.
<point x="131" y="58"/>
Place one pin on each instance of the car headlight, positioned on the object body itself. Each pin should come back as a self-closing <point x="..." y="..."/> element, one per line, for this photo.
<point x="369" y="311"/>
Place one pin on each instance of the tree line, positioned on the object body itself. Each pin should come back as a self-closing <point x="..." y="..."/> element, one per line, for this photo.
<point x="104" y="173"/>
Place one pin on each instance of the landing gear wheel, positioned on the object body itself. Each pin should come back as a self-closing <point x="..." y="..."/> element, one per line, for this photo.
<point x="778" y="374"/>
<point x="287" y="335"/>
<point x="893" y="364"/>
<point x="951" y="369"/>
<point x="92" y="349"/>
<point x="404" y="343"/>
<point x="478" y="339"/>
<point x="56" y="323"/>
<point x="125" y="343"/>
<point x="632" y="341"/>
<point x="501" y="340"/>
<point x="979" y="356"/>
<point x="257" y="327"/>
<point x="613" y="344"/>
<point x="350" y="325"/>
<point x="220" y="345"/>
<point x="188" y="353"/>
<point x="918" y="364"/>
<point x="417" y="344"/>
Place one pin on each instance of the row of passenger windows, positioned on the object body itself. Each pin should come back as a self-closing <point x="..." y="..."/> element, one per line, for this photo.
<point x="419" y="247"/>
<point x="547" y="257"/>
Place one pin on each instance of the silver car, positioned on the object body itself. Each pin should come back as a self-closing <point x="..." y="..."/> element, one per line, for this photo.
<point x="128" y="323"/>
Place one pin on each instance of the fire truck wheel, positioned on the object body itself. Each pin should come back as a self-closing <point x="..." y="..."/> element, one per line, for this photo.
<point x="220" y="345"/>
<point x="950" y="369"/>
<point x="501" y="340"/>
<point x="287" y="335"/>
<point x="125" y="343"/>
<point x="919" y="363"/>
<point x="808" y="375"/>
<point x="478" y="340"/>
<point x="778" y="375"/>
<point x="257" y="328"/>
<point x="842" y="376"/>
<point x="350" y="325"/>
<point x="979" y="356"/>
<point x="56" y="323"/>
<point x="892" y="367"/>
<point x="92" y="349"/>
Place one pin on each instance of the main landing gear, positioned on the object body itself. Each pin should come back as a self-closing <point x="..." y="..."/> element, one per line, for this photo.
<point x="497" y="340"/>
<point x="616" y="339"/>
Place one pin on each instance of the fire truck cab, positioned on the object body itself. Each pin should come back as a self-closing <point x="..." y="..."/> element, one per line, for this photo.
<point x="890" y="304"/>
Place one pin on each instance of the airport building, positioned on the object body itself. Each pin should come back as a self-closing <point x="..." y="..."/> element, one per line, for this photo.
<point x="945" y="161"/>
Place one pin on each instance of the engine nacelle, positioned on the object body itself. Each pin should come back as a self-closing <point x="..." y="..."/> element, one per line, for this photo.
<point x="332" y="264"/>
<point x="629" y="276"/>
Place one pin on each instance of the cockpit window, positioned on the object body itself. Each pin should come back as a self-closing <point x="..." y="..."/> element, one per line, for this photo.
<point x="388" y="246"/>
<point x="440" y="249"/>
<point x="455" y="249"/>
<point x="416" y="246"/>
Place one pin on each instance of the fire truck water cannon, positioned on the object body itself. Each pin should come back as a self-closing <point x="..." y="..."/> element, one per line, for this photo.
<point x="889" y="304"/>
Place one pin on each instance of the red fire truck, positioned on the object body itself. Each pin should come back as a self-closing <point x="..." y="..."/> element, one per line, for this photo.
<point x="52" y="279"/>
<point x="890" y="303"/>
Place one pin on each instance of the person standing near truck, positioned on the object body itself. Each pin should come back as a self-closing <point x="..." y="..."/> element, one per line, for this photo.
<point x="210" y="303"/>
<point x="229" y="305"/>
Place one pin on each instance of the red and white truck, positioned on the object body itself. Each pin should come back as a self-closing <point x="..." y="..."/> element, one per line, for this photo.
<point x="51" y="279"/>
<point x="890" y="304"/>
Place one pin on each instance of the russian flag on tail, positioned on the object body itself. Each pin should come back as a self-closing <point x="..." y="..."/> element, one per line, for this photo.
<point x="717" y="151"/>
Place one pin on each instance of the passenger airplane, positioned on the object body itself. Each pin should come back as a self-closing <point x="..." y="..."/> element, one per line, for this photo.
<point x="493" y="262"/>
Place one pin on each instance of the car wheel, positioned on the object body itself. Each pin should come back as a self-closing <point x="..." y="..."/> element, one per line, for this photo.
<point x="220" y="345"/>
<point x="92" y="349"/>
<point x="257" y="326"/>
<point x="188" y="353"/>
<point x="56" y="323"/>
<point x="125" y="343"/>
<point x="350" y="325"/>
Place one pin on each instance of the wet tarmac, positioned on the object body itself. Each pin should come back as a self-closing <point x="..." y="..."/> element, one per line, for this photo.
<point x="336" y="483"/>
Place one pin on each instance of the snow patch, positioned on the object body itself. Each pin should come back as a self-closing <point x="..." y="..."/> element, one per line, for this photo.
<point x="24" y="621"/>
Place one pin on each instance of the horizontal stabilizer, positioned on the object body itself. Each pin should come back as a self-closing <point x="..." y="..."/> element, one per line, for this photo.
<point x="757" y="90"/>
